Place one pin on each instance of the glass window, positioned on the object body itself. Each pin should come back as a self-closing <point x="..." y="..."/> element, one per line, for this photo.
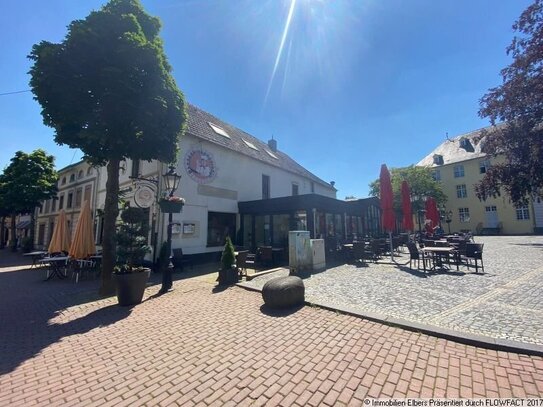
<point x="218" y="130"/>
<point x="80" y="174"/>
<point x="436" y="175"/>
<point x="312" y="187"/>
<point x="72" y="178"/>
<point x="220" y="225"/>
<point x="78" y="195"/>
<point x="458" y="171"/>
<point x="461" y="191"/>
<point x="41" y="234"/>
<point x="300" y="220"/>
<point x="63" y="180"/>
<point x="61" y="202"/>
<point x="265" y="186"/>
<point x="89" y="171"/>
<point x="47" y="206"/>
<point x="262" y="230"/>
<point x="484" y="166"/>
<point x="280" y="230"/>
<point x="54" y="204"/>
<point x="523" y="213"/>
<point x="248" y="231"/>
<point x="463" y="215"/>
<point x="294" y="189"/>
<point x="70" y="200"/>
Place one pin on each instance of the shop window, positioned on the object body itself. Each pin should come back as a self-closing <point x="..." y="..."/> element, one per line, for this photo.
<point x="280" y="230"/>
<point x="220" y="225"/>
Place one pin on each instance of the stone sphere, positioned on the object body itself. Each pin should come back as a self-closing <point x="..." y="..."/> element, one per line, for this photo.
<point x="284" y="292"/>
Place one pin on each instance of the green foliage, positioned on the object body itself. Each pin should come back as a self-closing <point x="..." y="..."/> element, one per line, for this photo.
<point x="27" y="180"/>
<point x="132" y="237"/>
<point x="228" y="257"/>
<point x="107" y="89"/>
<point x="421" y="185"/>
<point x="518" y="104"/>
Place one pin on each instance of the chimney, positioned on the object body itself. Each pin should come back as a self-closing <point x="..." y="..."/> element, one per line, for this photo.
<point x="332" y="183"/>
<point x="272" y="144"/>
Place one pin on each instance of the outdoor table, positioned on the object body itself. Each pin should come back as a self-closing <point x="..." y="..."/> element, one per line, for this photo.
<point x="438" y="254"/>
<point x="56" y="266"/>
<point x="37" y="255"/>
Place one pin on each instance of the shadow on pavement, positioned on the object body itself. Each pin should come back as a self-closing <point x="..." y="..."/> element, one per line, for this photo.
<point x="279" y="313"/>
<point x="28" y="306"/>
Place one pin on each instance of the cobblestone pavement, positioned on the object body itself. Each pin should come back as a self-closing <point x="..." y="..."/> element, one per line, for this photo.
<point x="503" y="302"/>
<point x="61" y="346"/>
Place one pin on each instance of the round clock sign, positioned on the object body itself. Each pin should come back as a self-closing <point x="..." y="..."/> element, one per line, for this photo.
<point x="200" y="166"/>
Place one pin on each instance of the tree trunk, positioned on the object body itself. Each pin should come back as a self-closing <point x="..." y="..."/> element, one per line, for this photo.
<point x="109" y="242"/>
<point x="13" y="234"/>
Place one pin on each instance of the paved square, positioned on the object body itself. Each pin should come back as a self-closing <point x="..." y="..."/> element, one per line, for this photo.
<point x="62" y="346"/>
<point x="503" y="302"/>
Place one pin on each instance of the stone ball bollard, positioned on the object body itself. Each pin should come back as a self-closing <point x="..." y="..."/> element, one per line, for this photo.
<point x="284" y="292"/>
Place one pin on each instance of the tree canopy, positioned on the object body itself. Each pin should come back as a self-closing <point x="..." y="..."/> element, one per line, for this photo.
<point x="28" y="180"/>
<point x="107" y="89"/>
<point x="421" y="184"/>
<point x="515" y="109"/>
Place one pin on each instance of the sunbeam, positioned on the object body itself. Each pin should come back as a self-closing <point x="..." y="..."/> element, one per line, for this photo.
<point x="280" y="50"/>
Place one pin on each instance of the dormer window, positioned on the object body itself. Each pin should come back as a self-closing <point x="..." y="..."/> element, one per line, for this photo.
<point x="219" y="130"/>
<point x="438" y="159"/>
<point x="466" y="144"/>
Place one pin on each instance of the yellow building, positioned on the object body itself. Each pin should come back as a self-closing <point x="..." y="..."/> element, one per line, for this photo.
<point x="459" y="164"/>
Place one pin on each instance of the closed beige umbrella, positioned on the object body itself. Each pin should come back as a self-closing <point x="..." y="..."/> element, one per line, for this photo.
<point x="60" y="241"/>
<point x="83" y="241"/>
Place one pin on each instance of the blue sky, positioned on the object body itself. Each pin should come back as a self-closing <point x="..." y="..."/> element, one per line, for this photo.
<point x="358" y="83"/>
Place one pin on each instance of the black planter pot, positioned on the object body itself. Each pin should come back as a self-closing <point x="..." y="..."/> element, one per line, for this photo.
<point x="130" y="286"/>
<point x="228" y="276"/>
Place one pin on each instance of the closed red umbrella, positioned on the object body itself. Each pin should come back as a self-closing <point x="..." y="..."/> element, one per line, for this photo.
<point x="406" y="207"/>
<point x="432" y="213"/>
<point x="387" y="203"/>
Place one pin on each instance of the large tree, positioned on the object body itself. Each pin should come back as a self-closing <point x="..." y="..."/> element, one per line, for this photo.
<point x="515" y="108"/>
<point x="107" y="89"/>
<point x="421" y="184"/>
<point x="28" y="180"/>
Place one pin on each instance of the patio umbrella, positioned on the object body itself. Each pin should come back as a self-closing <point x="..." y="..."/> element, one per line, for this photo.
<point x="60" y="241"/>
<point x="387" y="203"/>
<point x="432" y="213"/>
<point x="83" y="242"/>
<point x="406" y="207"/>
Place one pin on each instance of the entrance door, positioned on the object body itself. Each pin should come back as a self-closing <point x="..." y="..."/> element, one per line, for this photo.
<point x="491" y="217"/>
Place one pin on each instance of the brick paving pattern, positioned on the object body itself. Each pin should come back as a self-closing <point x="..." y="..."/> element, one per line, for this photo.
<point x="61" y="346"/>
<point x="503" y="302"/>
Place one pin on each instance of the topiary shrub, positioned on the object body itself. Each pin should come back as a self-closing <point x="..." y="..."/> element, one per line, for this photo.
<point x="228" y="273"/>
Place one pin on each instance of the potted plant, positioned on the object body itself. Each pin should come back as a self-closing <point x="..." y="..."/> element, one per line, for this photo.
<point x="171" y="204"/>
<point x="228" y="274"/>
<point x="129" y="275"/>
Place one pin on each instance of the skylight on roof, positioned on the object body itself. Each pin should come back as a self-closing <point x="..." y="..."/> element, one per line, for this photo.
<point x="218" y="130"/>
<point x="249" y="144"/>
<point x="272" y="155"/>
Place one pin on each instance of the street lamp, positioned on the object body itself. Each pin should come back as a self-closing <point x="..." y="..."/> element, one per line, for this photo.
<point x="171" y="181"/>
<point x="448" y="220"/>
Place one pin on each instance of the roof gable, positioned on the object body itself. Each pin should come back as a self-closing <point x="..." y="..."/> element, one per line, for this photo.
<point x="199" y="126"/>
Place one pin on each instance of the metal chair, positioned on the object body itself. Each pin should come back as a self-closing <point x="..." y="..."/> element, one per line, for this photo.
<point x="474" y="252"/>
<point x="414" y="254"/>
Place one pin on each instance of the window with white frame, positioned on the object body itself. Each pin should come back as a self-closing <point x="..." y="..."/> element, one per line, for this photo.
<point x="463" y="215"/>
<point x="461" y="191"/>
<point x="436" y="175"/>
<point x="523" y="213"/>
<point x="458" y="171"/>
<point x="484" y="166"/>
